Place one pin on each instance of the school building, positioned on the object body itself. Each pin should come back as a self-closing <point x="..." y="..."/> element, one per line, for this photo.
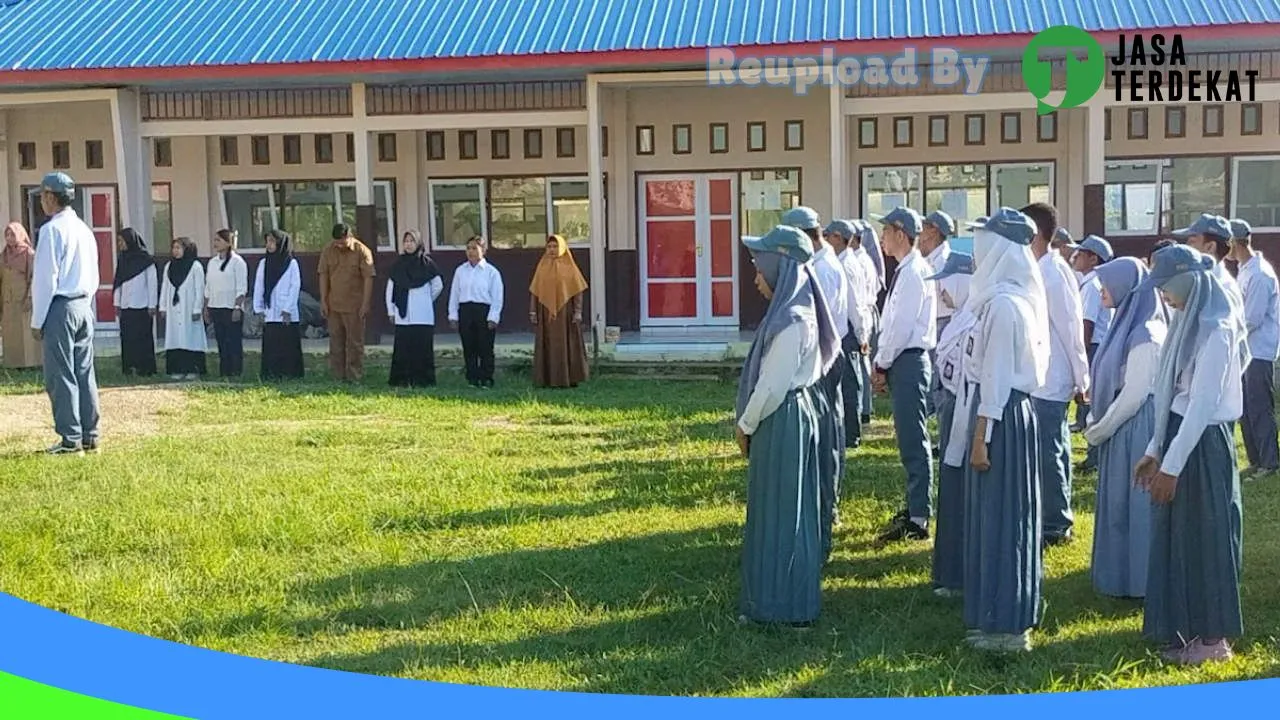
<point x="596" y="119"/>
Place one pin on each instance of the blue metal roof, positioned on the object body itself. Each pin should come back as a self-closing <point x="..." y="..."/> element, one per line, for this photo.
<point x="98" y="34"/>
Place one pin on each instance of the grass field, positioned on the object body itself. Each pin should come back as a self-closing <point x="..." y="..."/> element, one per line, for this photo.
<point x="574" y="540"/>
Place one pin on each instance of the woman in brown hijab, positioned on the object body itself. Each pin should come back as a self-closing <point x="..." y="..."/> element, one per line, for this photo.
<point x="555" y="309"/>
<point x="20" y="349"/>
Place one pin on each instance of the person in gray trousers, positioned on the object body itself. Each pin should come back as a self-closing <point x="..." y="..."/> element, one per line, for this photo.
<point x="64" y="283"/>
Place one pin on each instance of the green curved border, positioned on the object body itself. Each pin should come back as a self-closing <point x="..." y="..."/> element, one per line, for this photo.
<point x="22" y="699"/>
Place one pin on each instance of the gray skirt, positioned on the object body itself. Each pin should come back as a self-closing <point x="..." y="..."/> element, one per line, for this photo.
<point x="1122" y="524"/>
<point x="782" y="552"/>
<point x="1004" y="569"/>
<point x="1193" y="579"/>
<point x="948" y="538"/>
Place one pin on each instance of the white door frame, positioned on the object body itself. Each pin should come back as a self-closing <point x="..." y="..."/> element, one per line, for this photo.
<point x="109" y="192"/>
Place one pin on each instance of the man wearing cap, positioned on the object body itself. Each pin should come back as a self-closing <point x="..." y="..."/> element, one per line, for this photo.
<point x="1066" y="246"/>
<point x="64" y="281"/>
<point x="1068" y="376"/>
<point x="1211" y="235"/>
<point x="861" y="276"/>
<point x="909" y="330"/>
<point x="1093" y="251"/>
<point x="1262" y="318"/>
<point x="835" y="289"/>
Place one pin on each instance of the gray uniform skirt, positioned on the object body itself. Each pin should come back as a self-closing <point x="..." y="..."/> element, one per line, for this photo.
<point x="948" y="538"/>
<point x="1193" y="579"/>
<point x="1003" y="568"/>
<point x="782" y="543"/>
<point x="1122" y="525"/>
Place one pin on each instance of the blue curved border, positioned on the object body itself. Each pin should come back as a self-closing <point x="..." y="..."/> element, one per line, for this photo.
<point x="104" y="662"/>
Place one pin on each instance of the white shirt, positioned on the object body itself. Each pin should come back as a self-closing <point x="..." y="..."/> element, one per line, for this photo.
<point x="1068" y="363"/>
<point x="422" y="303"/>
<point x="1000" y="358"/>
<point x="1093" y="310"/>
<point x="861" y="274"/>
<point x="938" y="261"/>
<point x="183" y="321"/>
<point x="66" y="264"/>
<point x="835" y="287"/>
<point x="781" y="372"/>
<point x="284" y="298"/>
<point x="1228" y="283"/>
<point x="1261" y="307"/>
<point x="1140" y="369"/>
<point x="910" y="315"/>
<point x="1203" y="397"/>
<point x="222" y="288"/>
<point x="138" y="292"/>
<point x="479" y="283"/>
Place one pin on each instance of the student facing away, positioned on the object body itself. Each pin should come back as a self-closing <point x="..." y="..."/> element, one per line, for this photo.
<point x="181" y="303"/>
<point x="412" y="289"/>
<point x="275" y="296"/>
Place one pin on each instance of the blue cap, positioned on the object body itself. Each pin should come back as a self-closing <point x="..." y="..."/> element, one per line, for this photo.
<point x="843" y="228"/>
<point x="1010" y="225"/>
<point x="801" y="217"/>
<point x="1099" y="247"/>
<point x="1170" y="262"/>
<point x="958" y="263"/>
<point x="905" y="219"/>
<point x="943" y="222"/>
<point x="60" y="184"/>
<point x="1206" y="224"/>
<point x="784" y="240"/>
<point x="1241" y="230"/>
<point x="1063" y="235"/>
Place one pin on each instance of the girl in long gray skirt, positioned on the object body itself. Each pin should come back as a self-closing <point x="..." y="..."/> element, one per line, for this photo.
<point x="1006" y="358"/>
<point x="1121" y="422"/>
<point x="1193" y="579"/>
<point x="778" y="430"/>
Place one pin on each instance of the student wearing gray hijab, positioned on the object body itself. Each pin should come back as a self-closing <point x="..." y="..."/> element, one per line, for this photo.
<point x="779" y="431"/>
<point x="1193" y="578"/>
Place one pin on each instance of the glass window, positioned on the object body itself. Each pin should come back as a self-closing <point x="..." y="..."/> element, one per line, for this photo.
<point x="958" y="190"/>
<point x="644" y="140"/>
<point x="1192" y="185"/>
<point x="795" y="134"/>
<point x="260" y="149"/>
<point x="570" y="210"/>
<point x="975" y="129"/>
<point x="251" y="211"/>
<point x="435" y="144"/>
<point x="1011" y="127"/>
<point x="1137" y="123"/>
<point x="1019" y="185"/>
<point x="755" y="137"/>
<point x="161" y="216"/>
<point x="1047" y="128"/>
<point x="681" y="139"/>
<point x="1175" y="122"/>
<point x="565" y="145"/>
<point x="162" y="152"/>
<point x="468" y="143"/>
<point x="324" y="149"/>
<point x="867" y="132"/>
<point x="383" y="209"/>
<point x="719" y="137"/>
<point x="1211" y="118"/>
<point x="1251" y="119"/>
<point x="61" y="155"/>
<point x="1256" y="191"/>
<point x="457" y="211"/>
<point x="1131" y="202"/>
<point x="903" y="132"/>
<point x="885" y="188"/>
<point x="386" y="147"/>
<point x="533" y="143"/>
<point x="307" y="214"/>
<point x="518" y="208"/>
<point x="26" y="156"/>
<point x="293" y="149"/>
<point x="500" y="144"/>
<point x="93" y="154"/>
<point x="766" y="194"/>
<point x="938" y="129"/>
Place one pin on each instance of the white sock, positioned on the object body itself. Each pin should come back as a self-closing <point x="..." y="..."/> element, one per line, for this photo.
<point x="922" y="522"/>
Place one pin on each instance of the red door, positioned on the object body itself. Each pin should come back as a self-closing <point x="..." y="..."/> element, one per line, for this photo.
<point x="100" y="216"/>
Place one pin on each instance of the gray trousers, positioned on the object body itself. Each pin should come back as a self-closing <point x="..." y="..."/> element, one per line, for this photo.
<point x="936" y="397"/>
<point x="909" y="380"/>
<point x="1055" y="466"/>
<point x="69" y="377"/>
<point x="1259" y="422"/>
<point x="1082" y="409"/>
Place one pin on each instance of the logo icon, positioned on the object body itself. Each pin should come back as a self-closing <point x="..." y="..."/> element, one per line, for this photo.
<point x="1086" y="66"/>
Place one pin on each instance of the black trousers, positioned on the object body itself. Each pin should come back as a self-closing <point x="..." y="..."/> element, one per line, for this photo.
<point x="413" y="357"/>
<point x="477" y="342"/>
<point x="230" y="336"/>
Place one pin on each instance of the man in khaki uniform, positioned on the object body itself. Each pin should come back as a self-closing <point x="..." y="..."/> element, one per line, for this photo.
<point x="346" y="286"/>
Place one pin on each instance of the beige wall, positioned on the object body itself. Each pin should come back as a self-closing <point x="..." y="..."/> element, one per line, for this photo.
<point x="44" y="125"/>
<point x="1195" y="142"/>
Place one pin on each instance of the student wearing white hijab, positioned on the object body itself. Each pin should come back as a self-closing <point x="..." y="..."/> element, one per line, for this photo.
<point x="1193" y="582"/>
<point x="1006" y="358"/>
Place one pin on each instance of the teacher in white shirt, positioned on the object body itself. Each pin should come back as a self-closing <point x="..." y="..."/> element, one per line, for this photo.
<point x="475" y="309"/>
<point x="908" y="331"/>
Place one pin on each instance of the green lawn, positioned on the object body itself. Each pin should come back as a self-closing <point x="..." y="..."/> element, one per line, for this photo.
<point x="574" y="540"/>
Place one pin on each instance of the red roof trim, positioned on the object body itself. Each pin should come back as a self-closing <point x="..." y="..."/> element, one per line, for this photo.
<point x="616" y="59"/>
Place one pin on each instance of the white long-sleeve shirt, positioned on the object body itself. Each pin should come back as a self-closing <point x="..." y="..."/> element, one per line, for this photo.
<point x="479" y="283"/>
<point x="1228" y="283"/>
<point x="835" y="286"/>
<point x="1093" y="310"/>
<point x="910" y="315"/>
<point x="422" y="303"/>
<point x="861" y="274"/>
<point x="1068" y="363"/>
<point x="1141" y="367"/>
<point x="1209" y="391"/>
<point x="183" y="324"/>
<point x="222" y="288"/>
<point x="791" y="362"/>
<point x="138" y="292"/>
<point x="66" y="264"/>
<point x="938" y="260"/>
<point x="1002" y="358"/>
<point x="1261" y="307"/>
<point x="284" y="298"/>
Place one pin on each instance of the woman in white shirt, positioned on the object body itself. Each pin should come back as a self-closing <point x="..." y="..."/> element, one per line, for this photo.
<point x="412" y="289"/>
<point x="779" y="431"/>
<point x="182" y="304"/>
<point x="475" y="309"/>
<point x="224" y="294"/>
<point x="1193" y="581"/>
<point x="134" y="295"/>
<point x="1122" y="419"/>
<point x="1006" y="357"/>
<point x="275" y="296"/>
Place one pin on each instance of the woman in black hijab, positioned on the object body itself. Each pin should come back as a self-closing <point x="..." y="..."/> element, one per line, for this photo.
<point x="412" y="289"/>
<point x="275" y="296"/>
<point x="134" y="291"/>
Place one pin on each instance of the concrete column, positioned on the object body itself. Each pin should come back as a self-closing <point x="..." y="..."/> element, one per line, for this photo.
<point x="133" y="161"/>
<point x="595" y="199"/>
<point x="366" y="214"/>
<point x="1095" y="154"/>
<point x="839" y="158"/>
<point x="5" y="172"/>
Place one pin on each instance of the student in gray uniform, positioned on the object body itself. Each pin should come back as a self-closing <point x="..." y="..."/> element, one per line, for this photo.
<point x="935" y="247"/>
<point x="908" y="332"/>
<point x="1261" y="293"/>
<point x="871" y="243"/>
<point x="1193" y="579"/>
<point x="1092" y="252"/>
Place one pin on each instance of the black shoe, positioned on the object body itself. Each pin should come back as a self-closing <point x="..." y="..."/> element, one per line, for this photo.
<point x="91" y="446"/>
<point x="63" y="448"/>
<point x="1057" y="539"/>
<point x="903" y="530"/>
<point x="866" y="419"/>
